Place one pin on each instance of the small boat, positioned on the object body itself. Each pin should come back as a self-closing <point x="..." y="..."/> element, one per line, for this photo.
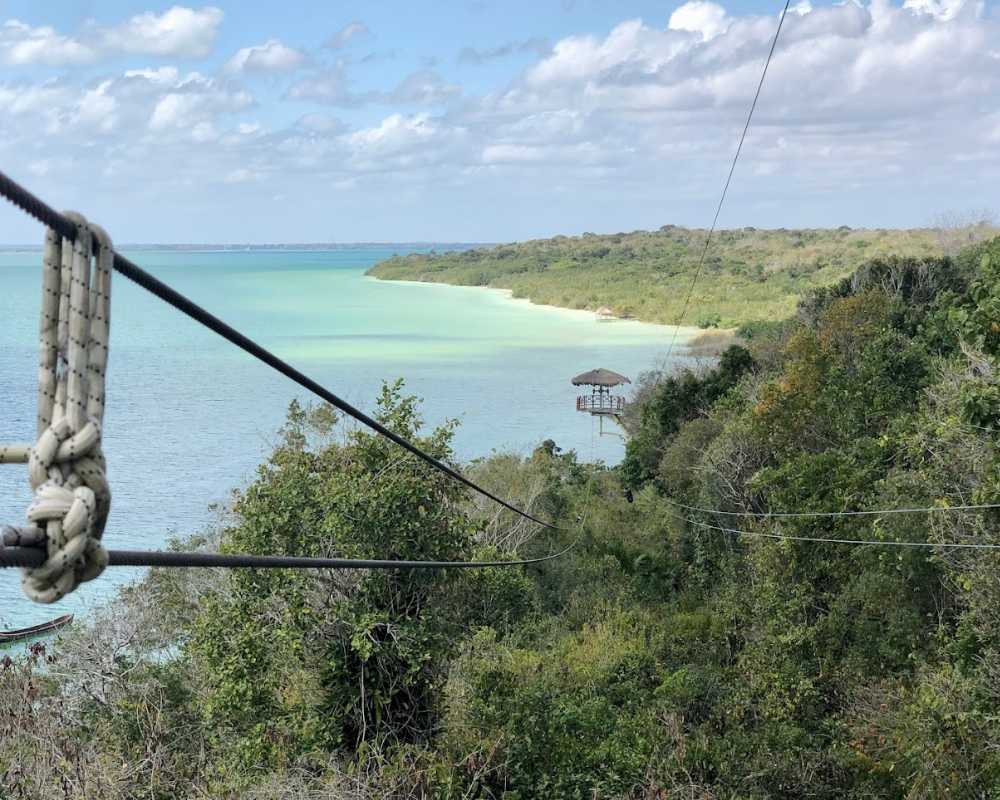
<point x="36" y="630"/>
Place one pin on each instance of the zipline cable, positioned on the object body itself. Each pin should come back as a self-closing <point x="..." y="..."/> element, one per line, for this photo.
<point x="48" y="216"/>
<point x="798" y="514"/>
<point x="20" y="547"/>
<point x="831" y="540"/>
<point x="34" y="556"/>
<point x="729" y="178"/>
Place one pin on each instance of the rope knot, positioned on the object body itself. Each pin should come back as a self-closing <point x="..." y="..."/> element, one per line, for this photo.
<point x="66" y="465"/>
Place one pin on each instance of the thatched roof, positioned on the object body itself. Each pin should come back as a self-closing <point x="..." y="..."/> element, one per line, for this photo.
<point x="605" y="311"/>
<point x="599" y="377"/>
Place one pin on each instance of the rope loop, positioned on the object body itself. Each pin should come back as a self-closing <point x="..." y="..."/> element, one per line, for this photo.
<point x="66" y="466"/>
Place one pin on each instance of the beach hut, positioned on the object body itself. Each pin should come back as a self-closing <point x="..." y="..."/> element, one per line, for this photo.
<point x="600" y="401"/>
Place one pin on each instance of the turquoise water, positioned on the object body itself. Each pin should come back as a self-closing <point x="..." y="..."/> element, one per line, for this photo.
<point x="189" y="416"/>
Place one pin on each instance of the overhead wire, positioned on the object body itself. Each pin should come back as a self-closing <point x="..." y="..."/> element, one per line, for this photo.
<point x="729" y="179"/>
<point x="20" y="550"/>
<point x="865" y="513"/>
<point x="834" y="540"/>
<point x="796" y="514"/>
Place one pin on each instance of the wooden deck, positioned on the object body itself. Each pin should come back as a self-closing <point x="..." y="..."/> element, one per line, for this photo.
<point x="600" y="404"/>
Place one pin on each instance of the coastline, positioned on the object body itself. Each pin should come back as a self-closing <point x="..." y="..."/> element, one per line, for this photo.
<point x="686" y="334"/>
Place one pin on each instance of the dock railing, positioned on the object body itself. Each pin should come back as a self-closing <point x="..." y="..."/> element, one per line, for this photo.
<point x="600" y="404"/>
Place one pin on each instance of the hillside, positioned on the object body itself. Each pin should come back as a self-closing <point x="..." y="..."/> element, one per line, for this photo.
<point x="749" y="274"/>
<point x="685" y="647"/>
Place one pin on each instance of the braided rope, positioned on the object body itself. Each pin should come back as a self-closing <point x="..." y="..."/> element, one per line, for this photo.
<point x="20" y="546"/>
<point x="65" y="465"/>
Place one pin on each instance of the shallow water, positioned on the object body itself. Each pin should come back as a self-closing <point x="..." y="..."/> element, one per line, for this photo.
<point x="189" y="416"/>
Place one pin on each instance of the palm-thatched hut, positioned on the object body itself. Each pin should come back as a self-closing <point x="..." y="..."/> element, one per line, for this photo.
<point x="600" y="400"/>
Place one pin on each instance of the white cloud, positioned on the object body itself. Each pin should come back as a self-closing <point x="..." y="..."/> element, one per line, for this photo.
<point x="242" y="175"/>
<point x="161" y="76"/>
<point x="395" y="133"/>
<point x="629" y="45"/>
<point x="173" y="110"/>
<point x="546" y="155"/>
<point x="842" y="63"/>
<point x="320" y="123"/>
<point x="858" y="92"/>
<point x="349" y="32"/>
<point x="699" y="16"/>
<point x="44" y="109"/>
<point x="423" y="87"/>
<point x="179" y="31"/>
<point x="405" y="143"/>
<point x="272" y="56"/>
<point x="24" y="44"/>
<point x="945" y="10"/>
<point x="184" y="109"/>
<point x="328" y="87"/>
<point x="196" y="100"/>
<point x="534" y="46"/>
<point x="40" y="167"/>
<point x="507" y="153"/>
<point x="44" y="98"/>
<point x="204" y="132"/>
<point x="97" y="108"/>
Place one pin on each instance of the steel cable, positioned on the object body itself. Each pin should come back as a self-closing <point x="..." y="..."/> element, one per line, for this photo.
<point x="48" y="216"/>
<point x="867" y="513"/>
<point x="729" y="179"/>
<point x="20" y="547"/>
<point x="832" y="540"/>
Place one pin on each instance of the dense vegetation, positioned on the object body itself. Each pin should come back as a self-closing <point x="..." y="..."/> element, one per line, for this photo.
<point x="662" y="657"/>
<point x="748" y="275"/>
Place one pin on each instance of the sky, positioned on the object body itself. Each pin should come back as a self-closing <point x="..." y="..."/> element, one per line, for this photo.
<point x="323" y="121"/>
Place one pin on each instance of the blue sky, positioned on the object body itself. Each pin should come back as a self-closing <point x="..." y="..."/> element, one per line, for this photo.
<point x="488" y="121"/>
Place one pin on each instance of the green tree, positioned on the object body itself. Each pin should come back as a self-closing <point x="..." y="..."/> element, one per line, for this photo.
<point x="296" y="661"/>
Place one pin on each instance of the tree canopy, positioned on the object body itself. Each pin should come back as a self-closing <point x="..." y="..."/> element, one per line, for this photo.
<point x="661" y="657"/>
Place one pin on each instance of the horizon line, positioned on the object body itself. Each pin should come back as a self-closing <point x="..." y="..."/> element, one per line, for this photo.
<point x="262" y="246"/>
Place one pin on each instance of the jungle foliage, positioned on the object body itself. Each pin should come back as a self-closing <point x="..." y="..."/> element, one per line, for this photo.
<point x="749" y="274"/>
<point x="659" y="658"/>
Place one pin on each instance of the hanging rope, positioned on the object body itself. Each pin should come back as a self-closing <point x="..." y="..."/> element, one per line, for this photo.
<point x="48" y="216"/>
<point x="66" y="467"/>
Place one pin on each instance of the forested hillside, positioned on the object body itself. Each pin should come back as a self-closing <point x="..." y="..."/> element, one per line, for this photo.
<point x="671" y="653"/>
<point x="748" y="275"/>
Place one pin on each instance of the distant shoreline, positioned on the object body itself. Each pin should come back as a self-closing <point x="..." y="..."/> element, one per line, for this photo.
<point x="661" y="276"/>
<point x="697" y="340"/>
